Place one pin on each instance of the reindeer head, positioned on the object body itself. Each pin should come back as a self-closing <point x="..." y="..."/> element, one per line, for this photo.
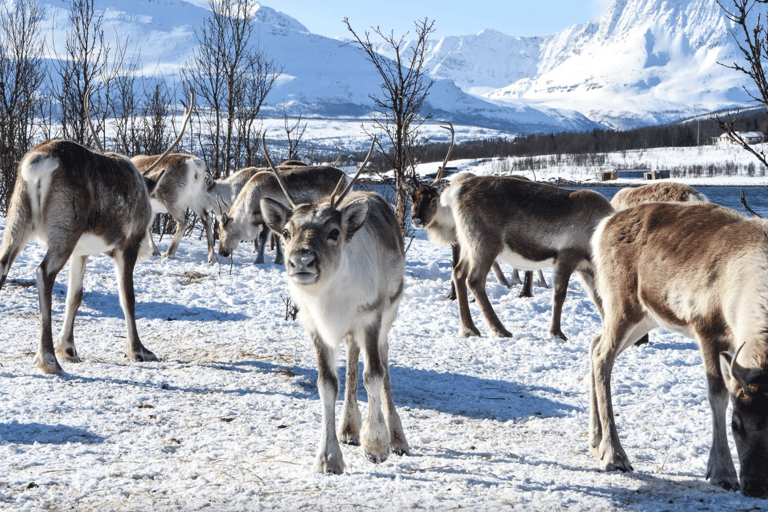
<point x="315" y="234"/>
<point x="749" y="423"/>
<point x="425" y="199"/>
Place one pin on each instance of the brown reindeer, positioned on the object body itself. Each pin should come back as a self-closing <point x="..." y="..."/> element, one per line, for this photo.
<point x="79" y="203"/>
<point x="662" y="192"/>
<point x="529" y="225"/>
<point x="345" y="267"/>
<point x="699" y="270"/>
<point x="427" y="213"/>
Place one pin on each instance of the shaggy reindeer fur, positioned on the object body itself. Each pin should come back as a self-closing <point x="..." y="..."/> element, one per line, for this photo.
<point x="78" y="203"/>
<point x="699" y="270"/>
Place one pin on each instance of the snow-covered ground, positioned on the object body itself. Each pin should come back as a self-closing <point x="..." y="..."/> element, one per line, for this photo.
<point x="229" y="418"/>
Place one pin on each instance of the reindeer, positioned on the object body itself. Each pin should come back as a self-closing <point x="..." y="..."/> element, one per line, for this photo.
<point x="244" y="220"/>
<point x="699" y="270"/>
<point x="183" y="188"/>
<point x="655" y="193"/>
<point x="529" y="225"/>
<point x="427" y="213"/>
<point x="79" y="202"/>
<point x="345" y="270"/>
<point x="223" y="192"/>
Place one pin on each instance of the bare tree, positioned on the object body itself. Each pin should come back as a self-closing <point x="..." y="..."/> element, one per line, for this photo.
<point x="750" y="34"/>
<point x="404" y="88"/>
<point x="21" y="76"/>
<point x="294" y="134"/>
<point x="85" y="58"/>
<point x="232" y="77"/>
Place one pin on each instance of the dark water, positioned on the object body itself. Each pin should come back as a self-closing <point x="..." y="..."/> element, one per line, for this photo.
<point x="756" y="197"/>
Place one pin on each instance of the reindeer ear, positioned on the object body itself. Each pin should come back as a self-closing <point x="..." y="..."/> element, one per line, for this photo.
<point x="275" y="214"/>
<point x="410" y="189"/>
<point x="354" y="215"/>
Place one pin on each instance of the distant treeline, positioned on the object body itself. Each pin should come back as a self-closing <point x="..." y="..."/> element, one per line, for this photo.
<point x="689" y="133"/>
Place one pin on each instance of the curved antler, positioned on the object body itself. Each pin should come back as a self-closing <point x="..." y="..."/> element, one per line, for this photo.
<point x="441" y="171"/>
<point x="87" y="108"/>
<point x="187" y="114"/>
<point x="334" y="200"/>
<point x="274" y="170"/>
<point x="736" y="372"/>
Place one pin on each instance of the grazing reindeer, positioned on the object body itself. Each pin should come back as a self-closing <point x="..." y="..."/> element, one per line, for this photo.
<point x="244" y="220"/>
<point x="655" y="193"/>
<point x="184" y="187"/>
<point x="79" y="203"/>
<point x="699" y="270"/>
<point x="223" y="192"/>
<point x="427" y="213"/>
<point x="345" y="269"/>
<point x="529" y="225"/>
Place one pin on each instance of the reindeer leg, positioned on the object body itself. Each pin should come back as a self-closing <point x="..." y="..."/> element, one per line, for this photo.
<point x="476" y="281"/>
<point x="375" y="436"/>
<point x="351" y="419"/>
<point x="205" y="221"/>
<point x="65" y="346"/>
<point x="262" y="241"/>
<point x="515" y="277"/>
<point x="329" y="458"/>
<point x="562" y="275"/>
<point x="500" y="275"/>
<point x="155" y="250"/>
<point x="527" y="290"/>
<point x="618" y="334"/>
<point x="397" y="440"/>
<point x="541" y="281"/>
<point x="720" y="468"/>
<point x="53" y="262"/>
<point x="279" y="258"/>
<point x="124" y="262"/>
<point x="181" y="226"/>
<point x="467" y="327"/>
<point x="455" y="253"/>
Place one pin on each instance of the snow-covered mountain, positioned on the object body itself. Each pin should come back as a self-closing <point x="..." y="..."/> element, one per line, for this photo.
<point x="643" y="61"/>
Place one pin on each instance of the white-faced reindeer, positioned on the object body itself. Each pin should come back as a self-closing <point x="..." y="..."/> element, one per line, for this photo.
<point x="79" y="202"/>
<point x="699" y="270"/>
<point x="428" y="213"/>
<point x="345" y="270"/>
<point x="244" y="220"/>
<point x="527" y="224"/>
<point x="661" y="192"/>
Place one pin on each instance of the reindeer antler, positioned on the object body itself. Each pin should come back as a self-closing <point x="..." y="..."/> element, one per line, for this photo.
<point x="335" y="201"/>
<point x="274" y="170"/>
<point x="736" y="372"/>
<point x="187" y="114"/>
<point x="441" y="171"/>
<point x="87" y="108"/>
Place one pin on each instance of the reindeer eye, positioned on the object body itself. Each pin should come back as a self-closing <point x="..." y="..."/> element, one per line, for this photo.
<point x="334" y="234"/>
<point x="286" y="234"/>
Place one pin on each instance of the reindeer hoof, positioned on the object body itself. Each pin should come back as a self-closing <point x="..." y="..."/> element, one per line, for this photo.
<point x="468" y="332"/>
<point x="376" y="459"/>
<point x="401" y="451"/>
<point x="558" y="334"/>
<point x="501" y="333"/>
<point x="142" y="356"/>
<point x="68" y="354"/>
<point x="350" y="441"/>
<point x="48" y="365"/>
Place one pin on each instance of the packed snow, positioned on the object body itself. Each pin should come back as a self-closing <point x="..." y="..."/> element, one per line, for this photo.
<point x="230" y="418"/>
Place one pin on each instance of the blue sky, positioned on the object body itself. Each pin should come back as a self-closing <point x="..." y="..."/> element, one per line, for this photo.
<point x="512" y="17"/>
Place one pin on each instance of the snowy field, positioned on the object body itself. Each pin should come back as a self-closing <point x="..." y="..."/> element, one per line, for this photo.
<point x="229" y="418"/>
